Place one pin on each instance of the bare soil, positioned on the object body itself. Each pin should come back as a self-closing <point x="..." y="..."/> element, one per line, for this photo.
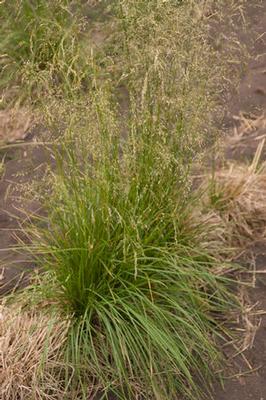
<point x="23" y="163"/>
<point x="248" y="107"/>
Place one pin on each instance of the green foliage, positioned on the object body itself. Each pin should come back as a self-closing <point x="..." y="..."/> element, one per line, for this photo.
<point x="40" y="47"/>
<point x="128" y="261"/>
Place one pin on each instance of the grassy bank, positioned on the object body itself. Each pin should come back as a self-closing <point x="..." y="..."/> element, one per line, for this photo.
<point x="131" y="276"/>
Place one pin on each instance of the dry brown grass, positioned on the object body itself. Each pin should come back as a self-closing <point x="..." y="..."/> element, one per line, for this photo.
<point x="30" y="349"/>
<point x="248" y="132"/>
<point x="236" y="200"/>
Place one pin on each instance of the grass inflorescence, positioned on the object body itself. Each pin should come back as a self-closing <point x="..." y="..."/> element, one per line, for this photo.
<point x="127" y="262"/>
<point x="41" y="49"/>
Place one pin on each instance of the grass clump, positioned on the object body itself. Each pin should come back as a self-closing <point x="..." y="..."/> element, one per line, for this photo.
<point x="126" y="260"/>
<point x="129" y="267"/>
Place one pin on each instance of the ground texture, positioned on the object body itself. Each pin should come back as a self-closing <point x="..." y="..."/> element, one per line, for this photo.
<point x="248" y="108"/>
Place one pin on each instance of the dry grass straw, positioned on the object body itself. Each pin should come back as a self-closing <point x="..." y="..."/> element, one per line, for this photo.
<point x="236" y="198"/>
<point x="2" y="168"/>
<point x="236" y="204"/>
<point x="30" y="347"/>
<point x="245" y="326"/>
<point x="248" y="128"/>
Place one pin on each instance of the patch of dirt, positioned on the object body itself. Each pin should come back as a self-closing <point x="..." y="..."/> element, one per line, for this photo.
<point x="250" y="98"/>
<point x="247" y="122"/>
<point x="14" y="124"/>
<point x="245" y="374"/>
<point x="22" y="163"/>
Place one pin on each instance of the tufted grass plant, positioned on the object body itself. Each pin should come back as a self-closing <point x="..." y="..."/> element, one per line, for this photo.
<point x="127" y="259"/>
<point x="127" y="263"/>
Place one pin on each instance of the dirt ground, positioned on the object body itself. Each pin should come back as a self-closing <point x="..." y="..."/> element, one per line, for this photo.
<point x="21" y="164"/>
<point x="248" y="107"/>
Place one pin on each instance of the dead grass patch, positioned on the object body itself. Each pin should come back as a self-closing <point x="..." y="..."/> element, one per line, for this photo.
<point x="236" y="194"/>
<point x="247" y="128"/>
<point x="30" y="346"/>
